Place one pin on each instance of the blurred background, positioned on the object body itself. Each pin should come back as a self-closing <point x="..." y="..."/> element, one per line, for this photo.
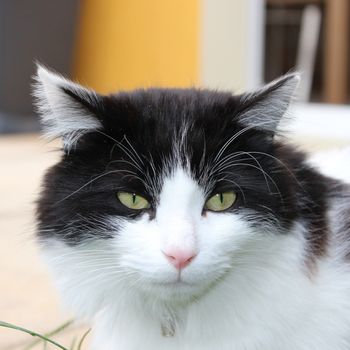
<point x="112" y="45"/>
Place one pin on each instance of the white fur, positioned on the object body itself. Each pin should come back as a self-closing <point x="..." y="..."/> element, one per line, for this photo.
<point x="247" y="289"/>
<point x="61" y="115"/>
<point x="334" y="163"/>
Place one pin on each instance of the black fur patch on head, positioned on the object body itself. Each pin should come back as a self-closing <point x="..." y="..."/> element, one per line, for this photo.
<point x="146" y="134"/>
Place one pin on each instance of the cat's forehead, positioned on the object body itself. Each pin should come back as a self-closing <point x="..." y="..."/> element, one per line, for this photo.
<point x="154" y="131"/>
<point x="161" y="122"/>
<point x="179" y="98"/>
<point x="169" y="107"/>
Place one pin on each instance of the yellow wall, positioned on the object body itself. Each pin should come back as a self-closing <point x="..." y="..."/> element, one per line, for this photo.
<point x="123" y="44"/>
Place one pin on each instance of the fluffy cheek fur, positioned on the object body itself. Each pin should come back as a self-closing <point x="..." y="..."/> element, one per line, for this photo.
<point x="98" y="273"/>
<point x="218" y="239"/>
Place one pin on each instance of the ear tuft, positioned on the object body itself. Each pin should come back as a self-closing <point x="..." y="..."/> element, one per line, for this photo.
<point x="66" y="108"/>
<point x="265" y="107"/>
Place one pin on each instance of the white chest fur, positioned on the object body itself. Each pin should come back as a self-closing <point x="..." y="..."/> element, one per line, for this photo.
<point x="272" y="305"/>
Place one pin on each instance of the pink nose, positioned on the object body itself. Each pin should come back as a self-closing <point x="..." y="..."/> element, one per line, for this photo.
<point x="180" y="258"/>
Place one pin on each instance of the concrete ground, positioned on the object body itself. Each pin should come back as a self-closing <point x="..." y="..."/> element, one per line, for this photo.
<point x="27" y="295"/>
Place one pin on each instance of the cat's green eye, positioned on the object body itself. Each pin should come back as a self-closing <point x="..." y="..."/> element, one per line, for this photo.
<point x="133" y="200"/>
<point x="220" y="201"/>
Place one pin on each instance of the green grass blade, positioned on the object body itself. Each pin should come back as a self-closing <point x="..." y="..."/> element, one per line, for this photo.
<point x="72" y="345"/>
<point x="33" y="334"/>
<point x="82" y="339"/>
<point x="50" y="334"/>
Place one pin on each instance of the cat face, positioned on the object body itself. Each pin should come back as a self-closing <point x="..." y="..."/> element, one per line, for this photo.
<point x="162" y="191"/>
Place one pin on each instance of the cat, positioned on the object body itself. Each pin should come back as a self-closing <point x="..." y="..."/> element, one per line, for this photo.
<point x="182" y="219"/>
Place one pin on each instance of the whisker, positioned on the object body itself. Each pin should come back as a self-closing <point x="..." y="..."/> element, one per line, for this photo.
<point x="90" y="182"/>
<point x="236" y="184"/>
<point x="136" y="154"/>
<point x="234" y="164"/>
<point x="235" y="136"/>
<point x="122" y="147"/>
<point x="281" y="163"/>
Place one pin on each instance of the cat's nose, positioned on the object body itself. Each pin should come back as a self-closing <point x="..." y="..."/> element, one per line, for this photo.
<point x="180" y="258"/>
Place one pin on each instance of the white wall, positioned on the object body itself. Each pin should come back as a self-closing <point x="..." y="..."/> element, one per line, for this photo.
<point x="232" y="44"/>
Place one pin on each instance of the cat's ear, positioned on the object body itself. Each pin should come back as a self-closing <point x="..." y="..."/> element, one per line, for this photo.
<point x="67" y="110"/>
<point x="263" y="109"/>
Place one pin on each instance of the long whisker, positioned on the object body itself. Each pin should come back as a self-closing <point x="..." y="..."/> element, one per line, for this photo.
<point x="233" y="164"/>
<point x="260" y="167"/>
<point x="122" y="147"/>
<point x="281" y="163"/>
<point x="235" y="136"/>
<point x="136" y="154"/>
<point x="217" y="167"/>
<point x="90" y="182"/>
<point x="236" y="184"/>
<point x="121" y="161"/>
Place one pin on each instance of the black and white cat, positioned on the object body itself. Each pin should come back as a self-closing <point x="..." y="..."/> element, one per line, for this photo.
<point x="178" y="219"/>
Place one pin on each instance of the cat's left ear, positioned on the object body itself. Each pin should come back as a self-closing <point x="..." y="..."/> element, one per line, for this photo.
<point x="67" y="110"/>
<point x="263" y="109"/>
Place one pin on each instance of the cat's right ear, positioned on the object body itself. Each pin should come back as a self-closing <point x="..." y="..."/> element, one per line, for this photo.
<point x="263" y="109"/>
<point x="67" y="110"/>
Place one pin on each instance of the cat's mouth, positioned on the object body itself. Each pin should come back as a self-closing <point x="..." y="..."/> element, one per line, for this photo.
<point x="179" y="291"/>
<point x="178" y="288"/>
<point x="177" y="283"/>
